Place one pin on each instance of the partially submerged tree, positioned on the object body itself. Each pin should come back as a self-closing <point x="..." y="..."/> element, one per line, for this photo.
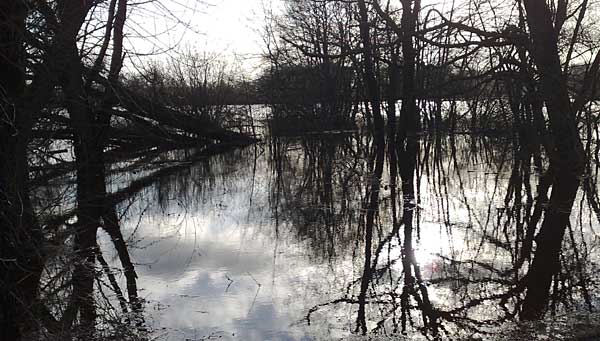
<point x="61" y="80"/>
<point x="511" y="64"/>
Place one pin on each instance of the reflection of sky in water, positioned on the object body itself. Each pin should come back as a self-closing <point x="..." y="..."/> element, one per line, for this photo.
<point x="214" y="266"/>
<point x="212" y="262"/>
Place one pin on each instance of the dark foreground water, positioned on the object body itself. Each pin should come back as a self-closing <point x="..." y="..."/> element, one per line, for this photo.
<point x="268" y="243"/>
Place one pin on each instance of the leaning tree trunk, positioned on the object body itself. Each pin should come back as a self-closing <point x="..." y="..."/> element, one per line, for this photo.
<point x="110" y="217"/>
<point x="566" y="159"/>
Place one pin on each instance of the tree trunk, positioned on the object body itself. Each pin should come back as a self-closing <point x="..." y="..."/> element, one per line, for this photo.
<point x="379" y="149"/>
<point x="20" y="238"/>
<point x="566" y="159"/>
<point x="90" y="191"/>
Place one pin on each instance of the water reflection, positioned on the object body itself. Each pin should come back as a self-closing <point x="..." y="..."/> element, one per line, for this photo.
<point x="309" y="238"/>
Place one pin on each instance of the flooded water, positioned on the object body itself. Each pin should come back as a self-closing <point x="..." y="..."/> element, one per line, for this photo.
<point x="268" y="243"/>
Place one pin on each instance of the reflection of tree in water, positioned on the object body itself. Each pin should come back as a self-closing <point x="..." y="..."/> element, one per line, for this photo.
<point x="486" y="197"/>
<point x="183" y="175"/>
<point x="316" y="189"/>
<point x="474" y="202"/>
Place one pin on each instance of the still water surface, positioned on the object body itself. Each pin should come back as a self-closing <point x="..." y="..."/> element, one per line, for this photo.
<point x="266" y="243"/>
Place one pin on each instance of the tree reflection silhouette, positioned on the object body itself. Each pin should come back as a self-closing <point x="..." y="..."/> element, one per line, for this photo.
<point x="484" y="196"/>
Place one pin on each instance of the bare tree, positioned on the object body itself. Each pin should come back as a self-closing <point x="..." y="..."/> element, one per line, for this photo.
<point x="20" y="236"/>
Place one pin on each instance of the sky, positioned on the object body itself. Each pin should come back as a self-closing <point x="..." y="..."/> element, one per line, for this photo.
<point x="228" y="29"/>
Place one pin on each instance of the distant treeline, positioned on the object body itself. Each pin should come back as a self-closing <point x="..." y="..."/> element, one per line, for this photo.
<point x="203" y="93"/>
